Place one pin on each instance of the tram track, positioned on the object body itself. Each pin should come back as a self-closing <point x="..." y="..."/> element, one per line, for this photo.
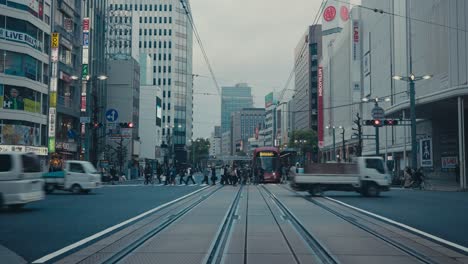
<point x="171" y="216"/>
<point x="322" y="253"/>
<point x="353" y="221"/>
<point x="218" y="246"/>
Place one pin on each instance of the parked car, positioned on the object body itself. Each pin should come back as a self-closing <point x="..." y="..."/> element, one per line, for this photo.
<point x="20" y="179"/>
<point x="77" y="177"/>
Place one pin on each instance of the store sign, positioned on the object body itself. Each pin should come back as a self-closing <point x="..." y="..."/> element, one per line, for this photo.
<point x="268" y="100"/>
<point x="85" y="59"/>
<point x="344" y="12"/>
<point x="53" y="84"/>
<point x="449" y="162"/>
<point x="83" y="103"/>
<point x="84" y="71"/>
<point x="20" y="37"/>
<point x="356" y="40"/>
<point x="69" y="25"/>
<point x="320" y="106"/>
<point x="41" y="151"/>
<point x="54" y="55"/>
<point x="425" y="152"/>
<point x="55" y="42"/>
<point x="85" y="39"/>
<point x="68" y="146"/>
<point x="86" y="24"/>
<point x="329" y="14"/>
<point x="52" y="118"/>
<point x="52" y="144"/>
<point x="65" y="77"/>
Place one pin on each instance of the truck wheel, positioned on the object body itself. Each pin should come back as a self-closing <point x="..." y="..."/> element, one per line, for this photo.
<point x="76" y="188"/>
<point x="49" y="188"/>
<point x="316" y="190"/>
<point x="1" y="200"/>
<point x="372" y="190"/>
<point x="15" y="206"/>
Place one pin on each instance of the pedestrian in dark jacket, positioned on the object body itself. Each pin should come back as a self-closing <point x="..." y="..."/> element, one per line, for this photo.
<point x="190" y="176"/>
<point x="213" y="175"/>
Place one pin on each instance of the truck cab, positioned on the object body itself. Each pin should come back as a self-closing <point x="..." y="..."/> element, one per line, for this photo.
<point x="77" y="177"/>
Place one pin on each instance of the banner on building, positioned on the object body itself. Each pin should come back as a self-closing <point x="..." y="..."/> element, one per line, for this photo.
<point x="449" y="162"/>
<point x="268" y="100"/>
<point x="86" y="24"/>
<point x="20" y="37"/>
<point x="40" y="151"/>
<point x="85" y="59"/>
<point x="55" y="40"/>
<point x="320" y="106"/>
<point x="425" y="152"/>
<point x="356" y="40"/>
<point x="52" y="118"/>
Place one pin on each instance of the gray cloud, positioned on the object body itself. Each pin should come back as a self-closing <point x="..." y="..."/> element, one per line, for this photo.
<point x="248" y="41"/>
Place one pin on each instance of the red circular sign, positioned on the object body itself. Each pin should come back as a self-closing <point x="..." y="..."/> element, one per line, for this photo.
<point x="329" y="13"/>
<point x="344" y="13"/>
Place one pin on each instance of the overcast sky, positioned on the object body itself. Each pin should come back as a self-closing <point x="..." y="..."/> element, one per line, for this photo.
<point x="248" y="41"/>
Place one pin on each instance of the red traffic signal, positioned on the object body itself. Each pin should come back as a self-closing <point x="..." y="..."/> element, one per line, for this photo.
<point x="127" y="125"/>
<point x="374" y="123"/>
<point x="391" y="122"/>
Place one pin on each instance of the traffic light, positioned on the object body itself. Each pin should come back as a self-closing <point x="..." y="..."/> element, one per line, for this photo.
<point x="127" y="125"/>
<point x="391" y="122"/>
<point x="374" y="123"/>
<point x="95" y="125"/>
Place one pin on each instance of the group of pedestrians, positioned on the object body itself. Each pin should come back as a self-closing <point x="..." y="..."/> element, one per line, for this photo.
<point x="167" y="174"/>
<point x="413" y="178"/>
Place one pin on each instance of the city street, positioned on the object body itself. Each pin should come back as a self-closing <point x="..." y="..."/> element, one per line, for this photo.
<point x="246" y="221"/>
<point x="64" y="218"/>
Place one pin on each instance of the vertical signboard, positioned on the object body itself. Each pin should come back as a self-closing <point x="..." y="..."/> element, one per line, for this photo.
<point x="356" y="39"/>
<point x="268" y="100"/>
<point x="55" y="44"/>
<point x="425" y="152"/>
<point x="320" y="106"/>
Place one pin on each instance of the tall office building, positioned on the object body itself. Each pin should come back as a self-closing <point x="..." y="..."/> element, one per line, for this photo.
<point x="161" y="30"/>
<point x="244" y="123"/>
<point x="234" y="99"/>
<point x="25" y="32"/>
<point x="307" y="56"/>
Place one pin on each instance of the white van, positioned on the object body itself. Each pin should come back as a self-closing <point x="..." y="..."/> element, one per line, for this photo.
<point x="20" y="179"/>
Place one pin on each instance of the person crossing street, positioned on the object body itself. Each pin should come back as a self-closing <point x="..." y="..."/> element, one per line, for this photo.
<point x="190" y="176"/>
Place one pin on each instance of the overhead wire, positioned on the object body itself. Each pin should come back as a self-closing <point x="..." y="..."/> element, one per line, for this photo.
<point x="200" y="44"/>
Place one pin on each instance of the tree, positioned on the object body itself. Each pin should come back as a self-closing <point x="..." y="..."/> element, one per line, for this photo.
<point x="199" y="150"/>
<point x="306" y="140"/>
<point x="358" y="134"/>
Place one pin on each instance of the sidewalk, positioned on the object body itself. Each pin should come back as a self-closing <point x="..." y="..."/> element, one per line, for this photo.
<point x="10" y="257"/>
<point x="445" y="186"/>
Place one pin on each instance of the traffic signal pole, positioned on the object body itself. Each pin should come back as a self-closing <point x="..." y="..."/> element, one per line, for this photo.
<point x="414" y="151"/>
<point x="377" y="143"/>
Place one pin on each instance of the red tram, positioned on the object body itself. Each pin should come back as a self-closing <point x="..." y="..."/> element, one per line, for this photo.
<point x="267" y="158"/>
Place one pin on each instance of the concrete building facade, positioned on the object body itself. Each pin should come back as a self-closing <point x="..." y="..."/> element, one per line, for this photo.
<point x="306" y="59"/>
<point x="25" y="36"/>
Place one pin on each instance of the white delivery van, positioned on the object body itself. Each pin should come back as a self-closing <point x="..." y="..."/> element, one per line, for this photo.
<point x="77" y="177"/>
<point x="20" y="179"/>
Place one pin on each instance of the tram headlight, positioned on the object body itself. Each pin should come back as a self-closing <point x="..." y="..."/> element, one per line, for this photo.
<point x="274" y="173"/>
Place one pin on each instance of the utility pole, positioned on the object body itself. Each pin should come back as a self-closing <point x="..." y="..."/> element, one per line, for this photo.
<point x="343" y="143"/>
<point x="358" y="134"/>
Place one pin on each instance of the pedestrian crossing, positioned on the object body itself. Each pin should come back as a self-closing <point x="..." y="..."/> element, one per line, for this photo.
<point x="154" y="185"/>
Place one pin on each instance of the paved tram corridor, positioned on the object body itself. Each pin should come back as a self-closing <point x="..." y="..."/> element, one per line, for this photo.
<point x="260" y="224"/>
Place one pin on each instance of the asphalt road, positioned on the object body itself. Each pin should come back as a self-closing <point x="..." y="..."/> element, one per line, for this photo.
<point x="64" y="218"/>
<point x="443" y="214"/>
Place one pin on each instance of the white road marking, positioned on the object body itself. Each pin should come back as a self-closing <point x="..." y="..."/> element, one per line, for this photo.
<point x="438" y="239"/>
<point x="110" y="229"/>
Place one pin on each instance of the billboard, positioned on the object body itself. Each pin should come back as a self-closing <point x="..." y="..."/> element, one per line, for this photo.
<point x="425" y="152"/>
<point x="20" y="98"/>
<point x="356" y="40"/>
<point x="268" y="100"/>
<point x="158" y="111"/>
<point x="320" y="106"/>
<point x="19" y="135"/>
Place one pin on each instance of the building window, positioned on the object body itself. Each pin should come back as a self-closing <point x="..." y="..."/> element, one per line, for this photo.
<point x="164" y="69"/>
<point x="154" y="45"/>
<point x="170" y="8"/>
<point x="159" y="69"/>
<point x="169" y="106"/>
<point x="159" y="56"/>
<point x="160" y="8"/>
<point x="159" y="81"/>
<point x="168" y="119"/>
<point x="164" y="106"/>
<point x="154" y="55"/>
<point x="150" y="32"/>
<point x="155" y="32"/>
<point x="165" y="20"/>
<point x="149" y="44"/>
<point x="169" y="81"/>
<point x="144" y="44"/>
<point x="146" y="32"/>
<point x="160" y="32"/>
<point x="169" y="94"/>
<point x="136" y="7"/>
<point x="170" y="56"/>
<point x="141" y="19"/>
<point x="170" y="32"/>
<point x="170" y="44"/>
<point x="164" y="81"/>
<point x="140" y="45"/>
<point x="146" y="7"/>
<point x="151" y="7"/>
<point x="170" y="20"/>
<point x="165" y="56"/>
<point x="141" y="7"/>
<point x="146" y="20"/>
<point x="155" y="7"/>
<point x="164" y="120"/>
<point x="165" y="44"/>
<point x="160" y="44"/>
<point x="154" y="81"/>
<point x="164" y="94"/>
<point x="151" y="20"/>
<point x="165" y="32"/>
<point x="169" y="69"/>
<point x="160" y="20"/>
<point x="165" y="8"/>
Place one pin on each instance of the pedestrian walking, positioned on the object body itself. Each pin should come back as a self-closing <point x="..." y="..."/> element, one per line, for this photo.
<point x="173" y="174"/>
<point x="408" y="178"/>
<point x="159" y="172"/>
<point x="213" y="175"/>
<point x="206" y="173"/>
<point x="182" y="173"/>
<point x="148" y="174"/>
<point x="190" y="176"/>
<point x="223" y="178"/>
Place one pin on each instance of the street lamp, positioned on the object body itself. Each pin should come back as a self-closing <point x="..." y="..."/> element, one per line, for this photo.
<point x="334" y="141"/>
<point x="412" y="79"/>
<point x="343" y="142"/>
